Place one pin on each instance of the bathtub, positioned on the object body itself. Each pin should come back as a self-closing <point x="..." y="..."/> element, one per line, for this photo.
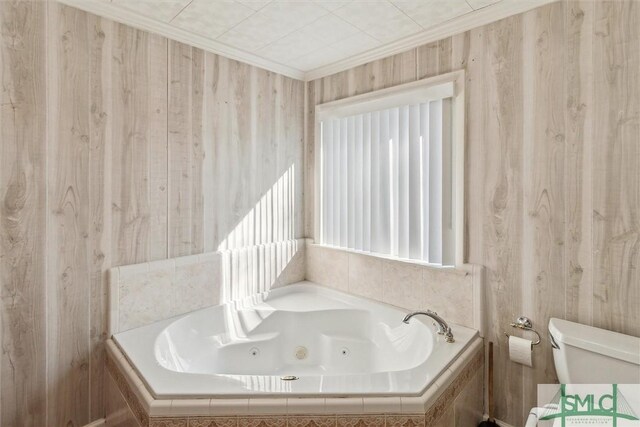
<point x="300" y="340"/>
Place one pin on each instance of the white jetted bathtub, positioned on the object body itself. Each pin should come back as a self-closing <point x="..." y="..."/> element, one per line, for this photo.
<point x="300" y="340"/>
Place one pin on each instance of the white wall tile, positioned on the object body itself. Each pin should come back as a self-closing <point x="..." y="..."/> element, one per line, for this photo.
<point x="382" y="405"/>
<point x="183" y="407"/>
<point x="194" y="286"/>
<point x="295" y="270"/>
<point x="305" y="405"/>
<point x="412" y="405"/>
<point x="267" y="406"/>
<point x="153" y="291"/>
<point x="160" y="408"/>
<point x="365" y="276"/>
<point x="401" y="284"/>
<point x="144" y="298"/>
<point x="125" y="272"/>
<point x="229" y="406"/>
<point x="449" y="292"/>
<point x="113" y="301"/>
<point x="186" y="260"/>
<point x="346" y="405"/>
<point x="328" y="267"/>
<point x="429" y="397"/>
<point x="162" y="265"/>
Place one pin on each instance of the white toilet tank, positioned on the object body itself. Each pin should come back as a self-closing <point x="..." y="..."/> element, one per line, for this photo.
<point x="588" y="355"/>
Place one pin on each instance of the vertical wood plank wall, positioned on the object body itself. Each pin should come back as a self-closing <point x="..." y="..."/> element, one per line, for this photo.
<point x="118" y="146"/>
<point x="552" y="188"/>
<point x="23" y="214"/>
<point x="115" y="148"/>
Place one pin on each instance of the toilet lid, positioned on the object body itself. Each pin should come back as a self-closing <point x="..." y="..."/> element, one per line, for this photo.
<point x="602" y="341"/>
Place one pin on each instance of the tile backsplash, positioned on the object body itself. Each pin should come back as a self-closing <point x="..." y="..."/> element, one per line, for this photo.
<point x="454" y="293"/>
<point x="144" y="293"/>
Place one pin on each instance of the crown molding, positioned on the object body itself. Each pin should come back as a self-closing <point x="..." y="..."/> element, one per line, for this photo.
<point x="461" y="24"/>
<point x="123" y="16"/>
<point x="466" y="22"/>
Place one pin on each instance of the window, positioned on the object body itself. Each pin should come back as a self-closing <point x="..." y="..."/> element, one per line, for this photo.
<point x="389" y="171"/>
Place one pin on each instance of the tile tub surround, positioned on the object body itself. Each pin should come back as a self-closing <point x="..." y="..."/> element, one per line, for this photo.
<point x="456" y="395"/>
<point x="144" y="293"/>
<point x="454" y="293"/>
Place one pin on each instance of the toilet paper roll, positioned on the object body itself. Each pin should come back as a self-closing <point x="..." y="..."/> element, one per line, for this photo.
<point x="520" y="350"/>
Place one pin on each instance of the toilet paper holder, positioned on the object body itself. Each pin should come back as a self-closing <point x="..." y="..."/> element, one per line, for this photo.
<point x="525" y="324"/>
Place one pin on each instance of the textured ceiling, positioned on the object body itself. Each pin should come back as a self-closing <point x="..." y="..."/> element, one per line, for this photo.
<point x="302" y="34"/>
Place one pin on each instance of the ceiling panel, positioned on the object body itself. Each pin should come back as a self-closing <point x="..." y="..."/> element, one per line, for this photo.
<point x="255" y="4"/>
<point x="315" y="59"/>
<point x="478" y="4"/>
<point x="162" y="10"/>
<point x="357" y="43"/>
<point x="291" y="46"/>
<point x="212" y="19"/>
<point x="330" y="29"/>
<point x="272" y="22"/>
<point x="297" y="35"/>
<point x="379" y="19"/>
<point x="428" y="13"/>
<point x="332" y="5"/>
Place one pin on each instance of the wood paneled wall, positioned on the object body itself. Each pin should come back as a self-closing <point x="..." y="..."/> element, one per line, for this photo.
<point x="117" y="147"/>
<point x="552" y="188"/>
<point x="23" y="242"/>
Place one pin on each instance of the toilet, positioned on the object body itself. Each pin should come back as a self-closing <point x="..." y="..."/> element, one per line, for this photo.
<point x="577" y="349"/>
<point x="586" y="355"/>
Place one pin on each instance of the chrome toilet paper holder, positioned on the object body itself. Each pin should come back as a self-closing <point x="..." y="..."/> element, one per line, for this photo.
<point x="525" y="324"/>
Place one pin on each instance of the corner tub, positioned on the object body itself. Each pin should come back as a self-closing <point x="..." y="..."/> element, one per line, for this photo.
<point x="300" y="340"/>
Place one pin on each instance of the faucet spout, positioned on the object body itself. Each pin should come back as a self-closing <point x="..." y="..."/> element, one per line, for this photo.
<point x="442" y="326"/>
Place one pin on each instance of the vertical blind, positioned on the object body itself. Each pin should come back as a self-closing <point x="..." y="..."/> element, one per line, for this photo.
<point x="386" y="182"/>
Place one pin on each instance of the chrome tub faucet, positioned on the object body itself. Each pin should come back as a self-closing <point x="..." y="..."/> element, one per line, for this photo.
<point x="443" y="328"/>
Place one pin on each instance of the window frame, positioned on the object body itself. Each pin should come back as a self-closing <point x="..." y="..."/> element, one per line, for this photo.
<point x="418" y="89"/>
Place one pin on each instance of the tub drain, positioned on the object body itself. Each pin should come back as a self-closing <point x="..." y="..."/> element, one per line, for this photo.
<point x="289" y="378"/>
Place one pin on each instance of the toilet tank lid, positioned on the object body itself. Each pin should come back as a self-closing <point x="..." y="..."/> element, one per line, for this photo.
<point x="602" y="341"/>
